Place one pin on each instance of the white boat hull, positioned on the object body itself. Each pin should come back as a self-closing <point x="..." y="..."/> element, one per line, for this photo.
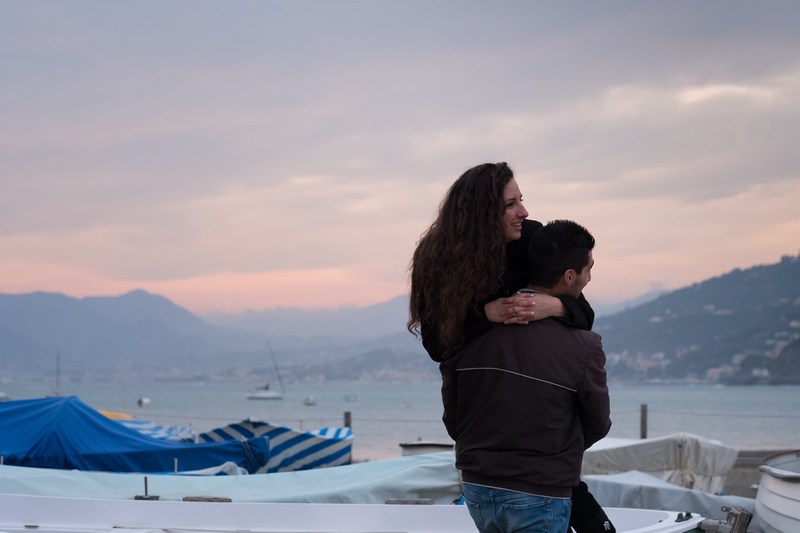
<point x="264" y="395"/>
<point x="45" y="514"/>
<point x="778" y="497"/>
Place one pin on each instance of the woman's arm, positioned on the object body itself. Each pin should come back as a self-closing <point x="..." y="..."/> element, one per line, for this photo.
<point x="527" y="305"/>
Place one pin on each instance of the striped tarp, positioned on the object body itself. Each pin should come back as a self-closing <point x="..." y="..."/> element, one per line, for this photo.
<point x="291" y="450"/>
<point x="157" y="431"/>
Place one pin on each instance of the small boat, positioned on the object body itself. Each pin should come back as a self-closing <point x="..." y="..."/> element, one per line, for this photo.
<point x="264" y="393"/>
<point x="65" y="433"/>
<point x="361" y="497"/>
<point x="4" y="397"/>
<point x="310" y="400"/>
<point x="778" y="496"/>
<point x="143" y="401"/>
<point x="290" y="449"/>
<point x="424" y="446"/>
<point x="159" y="431"/>
<point x="682" y="459"/>
<point x="47" y="514"/>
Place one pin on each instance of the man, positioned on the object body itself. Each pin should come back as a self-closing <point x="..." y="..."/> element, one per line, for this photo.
<point x="524" y="402"/>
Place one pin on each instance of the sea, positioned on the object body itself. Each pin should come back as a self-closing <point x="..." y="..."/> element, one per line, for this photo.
<point x="385" y="415"/>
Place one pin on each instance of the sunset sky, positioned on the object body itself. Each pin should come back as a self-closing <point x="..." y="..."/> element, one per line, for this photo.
<point x="234" y="155"/>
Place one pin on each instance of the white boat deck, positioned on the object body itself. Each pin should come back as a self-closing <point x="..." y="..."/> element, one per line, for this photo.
<point x="44" y="514"/>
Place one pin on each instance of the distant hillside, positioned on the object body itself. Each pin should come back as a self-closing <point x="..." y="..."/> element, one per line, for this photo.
<point x="102" y="335"/>
<point x="742" y="327"/>
<point x="345" y="322"/>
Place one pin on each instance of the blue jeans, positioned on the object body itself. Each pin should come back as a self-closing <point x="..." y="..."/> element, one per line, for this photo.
<point x="503" y="511"/>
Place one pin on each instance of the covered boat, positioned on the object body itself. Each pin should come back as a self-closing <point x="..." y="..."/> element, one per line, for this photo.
<point x="65" y="433"/>
<point x="354" y="498"/>
<point x="290" y="449"/>
<point x="160" y="431"/>
<point x="682" y="459"/>
<point x="778" y="496"/>
<point x="639" y="490"/>
<point x="78" y="515"/>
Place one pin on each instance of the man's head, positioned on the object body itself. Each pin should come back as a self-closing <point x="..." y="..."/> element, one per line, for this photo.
<point x="560" y="258"/>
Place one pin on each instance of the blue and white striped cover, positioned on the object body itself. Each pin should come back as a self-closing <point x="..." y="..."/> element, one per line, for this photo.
<point x="291" y="450"/>
<point x="157" y="431"/>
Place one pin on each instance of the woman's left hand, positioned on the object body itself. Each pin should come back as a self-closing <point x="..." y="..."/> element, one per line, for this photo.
<point x="521" y="308"/>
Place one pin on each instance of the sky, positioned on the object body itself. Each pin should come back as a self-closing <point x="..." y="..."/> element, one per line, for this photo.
<point x="235" y="155"/>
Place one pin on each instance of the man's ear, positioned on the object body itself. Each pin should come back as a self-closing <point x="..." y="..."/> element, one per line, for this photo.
<point x="569" y="276"/>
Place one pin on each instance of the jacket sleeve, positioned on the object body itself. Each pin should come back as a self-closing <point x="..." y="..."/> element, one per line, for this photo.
<point x="579" y="313"/>
<point x="594" y="406"/>
<point x="449" y="398"/>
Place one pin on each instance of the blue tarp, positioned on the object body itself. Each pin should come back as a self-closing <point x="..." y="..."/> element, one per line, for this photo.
<point x="66" y="433"/>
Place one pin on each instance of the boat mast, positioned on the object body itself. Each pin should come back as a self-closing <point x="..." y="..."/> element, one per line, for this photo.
<point x="275" y="366"/>
<point x="58" y="372"/>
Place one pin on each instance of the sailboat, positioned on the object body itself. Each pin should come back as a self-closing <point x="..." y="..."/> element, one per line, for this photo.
<point x="265" y="392"/>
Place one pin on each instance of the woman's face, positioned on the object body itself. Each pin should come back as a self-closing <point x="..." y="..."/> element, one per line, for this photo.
<point x="514" y="212"/>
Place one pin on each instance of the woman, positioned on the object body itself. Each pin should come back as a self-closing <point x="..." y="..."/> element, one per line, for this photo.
<point x="465" y="274"/>
<point x="470" y="263"/>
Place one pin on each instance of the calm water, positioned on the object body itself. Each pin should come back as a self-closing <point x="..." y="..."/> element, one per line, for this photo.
<point x="384" y="415"/>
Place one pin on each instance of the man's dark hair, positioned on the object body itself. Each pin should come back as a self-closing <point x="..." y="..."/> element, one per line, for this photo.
<point x="557" y="247"/>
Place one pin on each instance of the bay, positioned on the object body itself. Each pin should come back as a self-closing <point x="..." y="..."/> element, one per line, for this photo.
<point x="384" y="415"/>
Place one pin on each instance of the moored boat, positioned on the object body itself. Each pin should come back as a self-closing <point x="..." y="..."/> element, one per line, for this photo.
<point x="424" y="446"/>
<point x="350" y="498"/>
<point x="82" y="515"/>
<point x="290" y="449"/>
<point x="65" y="433"/>
<point x="778" y="496"/>
<point x="682" y="459"/>
<point x="264" y="393"/>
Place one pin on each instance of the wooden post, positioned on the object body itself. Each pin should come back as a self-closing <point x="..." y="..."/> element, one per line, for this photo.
<point x="348" y="420"/>
<point x="643" y="421"/>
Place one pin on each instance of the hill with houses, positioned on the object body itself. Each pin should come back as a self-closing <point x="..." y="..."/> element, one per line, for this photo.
<point x="740" y="327"/>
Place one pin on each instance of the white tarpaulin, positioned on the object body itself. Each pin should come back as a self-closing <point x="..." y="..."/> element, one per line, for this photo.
<point x="643" y="491"/>
<point x="429" y="476"/>
<point x="681" y="459"/>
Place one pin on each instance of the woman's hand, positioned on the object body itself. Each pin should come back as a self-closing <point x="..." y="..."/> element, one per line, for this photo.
<point x="547" y="306"/>
<point x="517" y="309"/>
<point x="523" y="308"/>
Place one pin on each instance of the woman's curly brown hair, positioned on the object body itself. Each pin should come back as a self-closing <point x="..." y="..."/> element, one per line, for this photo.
<point x="459" y="260"/>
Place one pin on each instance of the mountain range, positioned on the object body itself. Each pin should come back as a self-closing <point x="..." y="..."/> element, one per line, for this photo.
<point x="740" y="327"/>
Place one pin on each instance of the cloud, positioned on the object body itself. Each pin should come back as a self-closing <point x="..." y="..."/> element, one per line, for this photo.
<point x="694" y="95"/>
<point x="283" y="149"/>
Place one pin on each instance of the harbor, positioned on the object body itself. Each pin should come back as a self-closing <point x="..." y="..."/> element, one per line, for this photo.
<point x="633" y="478"/>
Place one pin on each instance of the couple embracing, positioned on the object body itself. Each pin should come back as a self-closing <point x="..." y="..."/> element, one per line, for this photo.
<point x="498" y="301"/>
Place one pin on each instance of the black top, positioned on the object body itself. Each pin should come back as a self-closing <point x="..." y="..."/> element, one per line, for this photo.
<point x="579" y="313"/>
<point x="491" y="387"/>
